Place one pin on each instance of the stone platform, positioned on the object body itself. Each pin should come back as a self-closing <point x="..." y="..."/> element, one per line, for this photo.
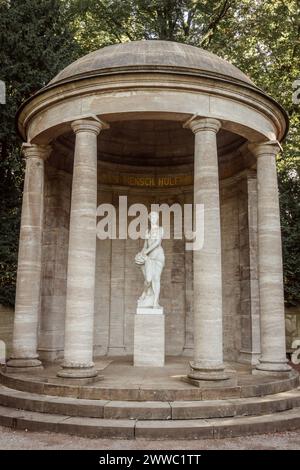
<point x="148" y="402"/>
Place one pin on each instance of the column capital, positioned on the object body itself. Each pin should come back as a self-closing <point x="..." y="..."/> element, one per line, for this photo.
<point x="36" y="151"/>
<point x="89" y="125"/>
<point x="197" y="124"/>
<point x="270" y="147"/>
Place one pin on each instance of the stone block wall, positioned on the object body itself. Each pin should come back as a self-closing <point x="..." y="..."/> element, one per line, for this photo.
<point x="6" y="327"/>
<point x="54" y="261"/>
<point x="249" y="290"/>
<point x="292" y="326"/>
<point x="119" y="281"/>
<point x="230" y="271"/>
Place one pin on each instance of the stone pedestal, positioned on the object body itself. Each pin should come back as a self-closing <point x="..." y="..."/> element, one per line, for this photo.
<point x="149" y="337"/>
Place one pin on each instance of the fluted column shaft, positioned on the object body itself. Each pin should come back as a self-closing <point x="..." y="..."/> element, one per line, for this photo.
<point x="29" y="261"/>
<point x="79" y="322"/>
<point x="273" y="347"/>
<point x="208" y="336"/>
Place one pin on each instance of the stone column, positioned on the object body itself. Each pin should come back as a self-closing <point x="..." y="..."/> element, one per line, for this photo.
<point x="79" y="321"/>
<point x="249" y="294"/>
<point x="24" y="354"/>
<point x="273" y="352"/>
<point x="208" y="335"/>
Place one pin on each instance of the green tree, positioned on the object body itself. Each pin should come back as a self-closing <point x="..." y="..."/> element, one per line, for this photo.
<point x="37" y="40"/>
<point x="259" y="37"/>
<point x="289" y="188"/>
<point x="39" y="37"/>
<point x="102" y="22"/>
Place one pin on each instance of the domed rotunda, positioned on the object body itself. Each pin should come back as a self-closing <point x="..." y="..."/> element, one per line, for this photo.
<point x="165" y="123"/>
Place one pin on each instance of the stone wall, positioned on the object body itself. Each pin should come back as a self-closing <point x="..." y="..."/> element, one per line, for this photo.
<point x="292" y="326"/>
<point x="54" y="262"/>
<point x="119" y="281"/>
<point x="292" y="322"/>
<point x="230" y="271"/>
<point x="249" y="291"/>
<point x="6" y="327"/>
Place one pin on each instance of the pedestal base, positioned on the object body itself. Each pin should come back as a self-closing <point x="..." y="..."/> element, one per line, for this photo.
<point x="149" y="338"/>
<point x="274" y="368"/>
<point x="284" y="374"/>
<point x="246" y="357"/>
<point x="210" y="377"/>
<point x="229" y="381"/>
<point x="19" y="365"/>
<point x="83" y="381"/>
<point x="77" y="371"/>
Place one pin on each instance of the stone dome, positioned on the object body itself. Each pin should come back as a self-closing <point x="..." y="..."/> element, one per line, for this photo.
<point x="169" y="80"/>
<point x="154" y="55"/>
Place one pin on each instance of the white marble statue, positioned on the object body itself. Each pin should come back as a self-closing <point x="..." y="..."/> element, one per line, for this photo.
<point x="151" y="260"/>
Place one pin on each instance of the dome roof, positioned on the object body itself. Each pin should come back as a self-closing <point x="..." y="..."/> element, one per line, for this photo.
<point x="151" y="55"/>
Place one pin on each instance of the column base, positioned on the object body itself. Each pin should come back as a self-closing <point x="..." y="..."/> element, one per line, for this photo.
<point x="77" y="371"/>
<point x="50" y="355"/>
<point x="249" y="357"/>
<point x="210" y="376"/>
<point x="15" y="364"/>
<point x="266" y="367"/>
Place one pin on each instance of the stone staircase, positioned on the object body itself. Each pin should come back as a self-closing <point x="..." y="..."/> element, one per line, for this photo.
<point x="220" y="418"/>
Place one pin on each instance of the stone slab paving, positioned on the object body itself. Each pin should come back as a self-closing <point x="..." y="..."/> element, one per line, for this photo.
<point x="121" y="381"/>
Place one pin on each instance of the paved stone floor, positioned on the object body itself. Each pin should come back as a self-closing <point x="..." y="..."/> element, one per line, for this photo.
<point x="119" y="372"/>
<point x="11" y="439"/>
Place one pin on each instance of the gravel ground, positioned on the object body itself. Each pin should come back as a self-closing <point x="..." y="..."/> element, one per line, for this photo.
<point x="11" y="439"/>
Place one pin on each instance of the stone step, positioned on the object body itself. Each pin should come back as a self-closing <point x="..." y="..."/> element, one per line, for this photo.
<point x="159" y="429"/>
<point x="219" y="428"/>
<point x="183" y="410"/>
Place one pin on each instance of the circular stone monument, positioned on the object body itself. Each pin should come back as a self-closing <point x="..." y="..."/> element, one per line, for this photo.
<point x="151" y="122"/>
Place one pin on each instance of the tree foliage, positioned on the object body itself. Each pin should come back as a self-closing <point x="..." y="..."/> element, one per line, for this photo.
<point x="36" y="42"/>
<point x="39" y="37"/>
<point x="289" y="189"/>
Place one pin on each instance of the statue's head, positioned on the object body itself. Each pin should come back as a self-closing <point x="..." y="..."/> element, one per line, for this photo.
<point x="154" y="217"/>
